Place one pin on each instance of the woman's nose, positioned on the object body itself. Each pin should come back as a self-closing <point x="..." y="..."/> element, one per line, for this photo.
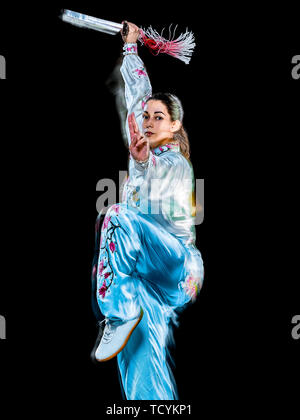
<point x="149" y="124"/>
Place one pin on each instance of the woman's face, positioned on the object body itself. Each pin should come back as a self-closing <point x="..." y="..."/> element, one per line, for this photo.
<point x="157" y="124"/>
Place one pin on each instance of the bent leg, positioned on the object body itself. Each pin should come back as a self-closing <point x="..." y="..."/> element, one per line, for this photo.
<point x="119" y="248"/>
<point x="162" y="261"/>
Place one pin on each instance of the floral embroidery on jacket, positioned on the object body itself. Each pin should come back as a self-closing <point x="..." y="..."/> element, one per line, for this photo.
<point x="135" y="196"/>
<point x="132" y="49"/>
<point x="173" y="146"/>
<point x="145" y="99"/>
<point x="141" y="71"/>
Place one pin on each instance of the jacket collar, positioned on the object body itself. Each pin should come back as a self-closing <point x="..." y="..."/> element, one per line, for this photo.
<point x="173" y="146"/>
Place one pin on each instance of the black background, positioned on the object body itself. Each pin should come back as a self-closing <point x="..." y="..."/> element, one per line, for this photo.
<point x="234" y="351"/>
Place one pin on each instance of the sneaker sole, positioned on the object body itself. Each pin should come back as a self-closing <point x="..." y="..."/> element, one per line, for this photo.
<point x="126" y="340"/>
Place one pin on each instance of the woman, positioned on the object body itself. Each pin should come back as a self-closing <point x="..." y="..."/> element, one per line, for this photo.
<point x="148" y="266"/>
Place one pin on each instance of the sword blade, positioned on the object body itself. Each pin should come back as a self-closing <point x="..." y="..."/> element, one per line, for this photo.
<point x="90" y="22"/>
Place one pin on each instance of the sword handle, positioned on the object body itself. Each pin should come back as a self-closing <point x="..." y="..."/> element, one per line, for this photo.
<point x="125" y="30"/>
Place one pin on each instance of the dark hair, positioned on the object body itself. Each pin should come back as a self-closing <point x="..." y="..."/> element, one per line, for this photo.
<point x="175" y="110"/>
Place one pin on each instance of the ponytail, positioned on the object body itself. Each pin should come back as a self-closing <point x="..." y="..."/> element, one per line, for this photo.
<point x="182" y="137"/>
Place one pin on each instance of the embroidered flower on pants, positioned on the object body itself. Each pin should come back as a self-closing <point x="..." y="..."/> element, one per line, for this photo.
<point x="103" y="289"/>
<point x="192" y="286"/>
<point x="108" y="248"/>
<point x="112" y="247"/>
<point x="101" y="267"/>
<point x="116" y="208"/>
<point x="105" y="222"/>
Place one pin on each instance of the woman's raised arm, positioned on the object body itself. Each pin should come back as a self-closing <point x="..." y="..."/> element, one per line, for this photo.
<point x="137" y="84"/>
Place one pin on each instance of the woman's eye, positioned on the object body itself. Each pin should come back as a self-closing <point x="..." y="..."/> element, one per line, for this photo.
<point x="146" y="117"/>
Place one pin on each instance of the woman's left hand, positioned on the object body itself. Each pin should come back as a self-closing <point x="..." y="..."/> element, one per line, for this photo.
<point x="133" y="33"/>
<point x="139" y="146"/>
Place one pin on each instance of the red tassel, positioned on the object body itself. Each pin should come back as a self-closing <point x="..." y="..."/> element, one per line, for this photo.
<point x="181" y="48"/>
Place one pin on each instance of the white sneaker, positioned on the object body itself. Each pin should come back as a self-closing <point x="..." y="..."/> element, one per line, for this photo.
<point x="115" y="337"/>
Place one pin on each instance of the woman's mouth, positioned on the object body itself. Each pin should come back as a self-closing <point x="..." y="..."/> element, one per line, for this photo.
<point x="148" y="133"/>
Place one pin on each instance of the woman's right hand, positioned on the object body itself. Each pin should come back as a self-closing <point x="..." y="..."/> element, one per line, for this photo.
<point x="139" y="147"/>
<point x="133" y="33"/>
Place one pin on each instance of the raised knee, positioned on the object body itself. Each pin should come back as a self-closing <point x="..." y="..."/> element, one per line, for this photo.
<point x="115" y="209"/>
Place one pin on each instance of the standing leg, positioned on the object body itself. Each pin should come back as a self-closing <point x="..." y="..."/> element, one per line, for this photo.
<point x="143" y="363"/>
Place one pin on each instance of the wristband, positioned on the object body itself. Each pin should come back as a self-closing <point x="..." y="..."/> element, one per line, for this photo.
<point x="130" y="48"/>
<point x="141" y="164"/>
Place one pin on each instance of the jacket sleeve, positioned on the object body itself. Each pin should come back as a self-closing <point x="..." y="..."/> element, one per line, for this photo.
<point x="137" y="84"/>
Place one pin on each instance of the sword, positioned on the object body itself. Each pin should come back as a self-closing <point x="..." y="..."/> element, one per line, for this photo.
<point x="181" y="48"/>
<point x="90" y="22"/>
